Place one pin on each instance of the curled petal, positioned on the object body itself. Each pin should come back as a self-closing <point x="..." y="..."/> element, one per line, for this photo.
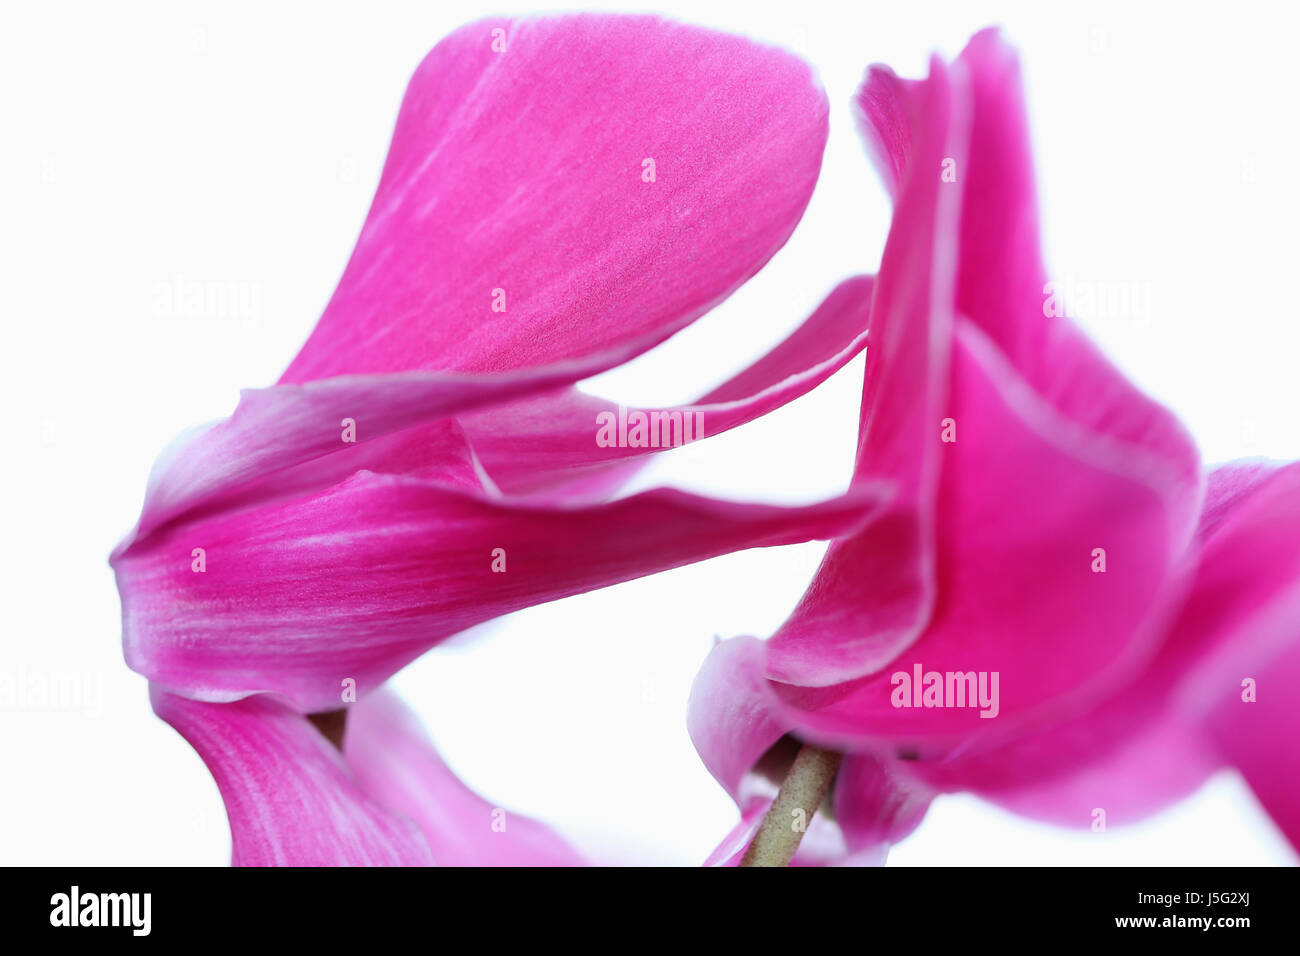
<point x="1002" y="284"/>
<point x="536" y="443"/>
<point x="571" y="186"/>
<point x="731" y="715"/>
<point x="290" y="798"/>
<point x="295" y="597"/>
<point x="1260" y="738"/>
<point x="295" y="439"/>
<point x="1057" y="567"/>
<point x="883" y="109"/>
<point x="300" y="438"/>
<point x="1244" y="609"/>
<point x="1253" y="591"/>
<point x="876" y="803"/>
<point x="1023" y="454"/>
<point x="1153" y="740"/>
<point x="1128" y="771"/>
<point x="398" y="765"/>
<point x="872" y="595"/>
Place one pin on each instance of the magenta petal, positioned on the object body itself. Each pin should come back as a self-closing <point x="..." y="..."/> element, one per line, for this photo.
<point x="1027" y="401"/>
<point x="519" y="164"/>
<point x="290" y="439"/>
<point x="1148" y="743"/>
<point x="291" y="799"/>
<point x="1129" y="773"/>
<point x="1130" y="756"/>
<point x="396" y="762"/>
<point x="1025" y="500"/>
<point x="1262" y="739"/>
<point x="294" y="438"/>
<point x="1255" y="594"/>
<point x="1244" y="608"/>
<point x="884" y="106"/>
<point x="876" y="804"/>
<point x="873" y="594"/>
<point x="536" y="443"/>
<point x="732" y="716"/>
<point x="296" y="597"/>
<point x="1002" y="284"/>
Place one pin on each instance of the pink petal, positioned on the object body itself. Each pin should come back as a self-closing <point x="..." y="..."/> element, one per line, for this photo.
<point x="732" y="716"/>
<point x="1260" y="738"/>
<point x="291" y="799"/>
<point x="877" y="804"/>
<point x="1128" y="770"/>
<point x="1146" y="745"/>
<point x="884" y="107"/>
<point x="397" y="764"/>
<point x="356" y="581"/>
<point x="1001" y="279"/>
<point x="1025" y="500"/>
<point x="873" y="594"/>
<point x="1253" y="592"/>
<point x="293" y="438"/>
<point x="522" y="170"/>
<point x="1055" y="454"/>
<point x="537" y="442"/>
<point x="289" y="439"/>
<point x="1244" y="608"/>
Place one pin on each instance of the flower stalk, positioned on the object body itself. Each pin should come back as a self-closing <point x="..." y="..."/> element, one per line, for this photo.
<point x="802" y="792"/>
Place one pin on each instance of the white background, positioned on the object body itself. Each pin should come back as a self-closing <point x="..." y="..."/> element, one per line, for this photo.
<point x="149" y="151"/>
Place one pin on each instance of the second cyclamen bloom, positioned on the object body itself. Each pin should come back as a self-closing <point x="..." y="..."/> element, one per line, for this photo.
<point x="1054" y="612"/>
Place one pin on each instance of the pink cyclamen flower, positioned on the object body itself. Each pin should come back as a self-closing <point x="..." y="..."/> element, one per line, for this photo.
<point x="1092" y="612"/>
<point x="561" y="194"/>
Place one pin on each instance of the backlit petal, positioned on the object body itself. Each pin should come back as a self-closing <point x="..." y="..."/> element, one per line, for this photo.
<point x="290" y="797"/>
<point x="297" y="596"/>
<point x="518" y="176"/>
